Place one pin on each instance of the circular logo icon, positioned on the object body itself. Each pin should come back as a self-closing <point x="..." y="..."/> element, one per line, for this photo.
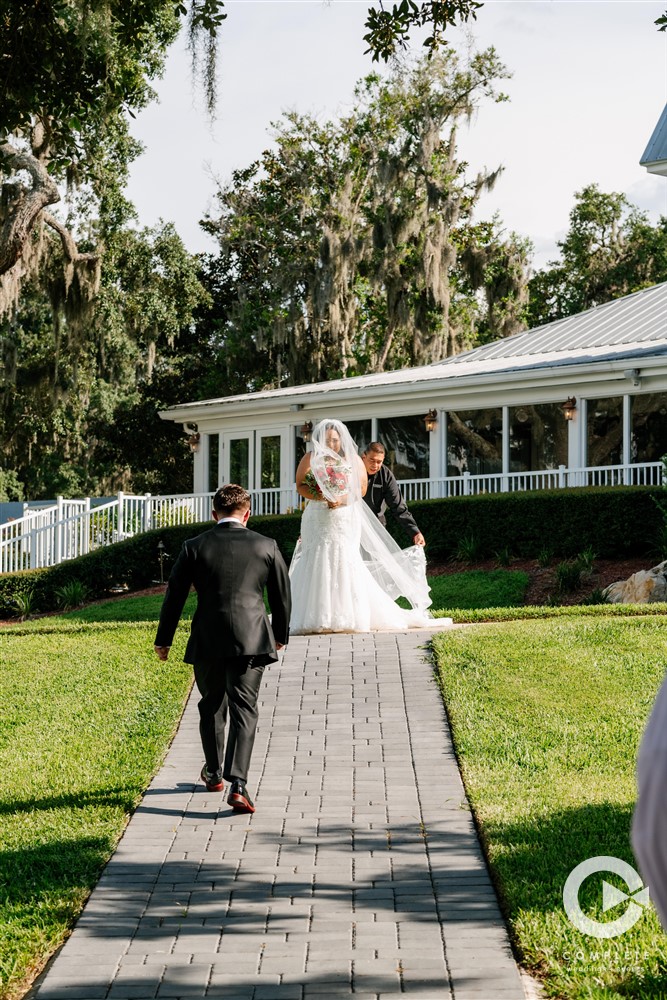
<point x="636" y="899"/>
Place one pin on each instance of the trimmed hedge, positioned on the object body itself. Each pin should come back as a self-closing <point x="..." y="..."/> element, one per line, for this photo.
<point x="133" y="562"/>
<point x="614" y="521"/>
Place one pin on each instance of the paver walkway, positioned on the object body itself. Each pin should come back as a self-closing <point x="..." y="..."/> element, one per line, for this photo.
<point x="359" y="875"/>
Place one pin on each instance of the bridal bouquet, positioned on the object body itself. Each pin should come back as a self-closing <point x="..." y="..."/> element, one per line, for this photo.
<point x="312" y="484"/>
<point x="337" y="481"/>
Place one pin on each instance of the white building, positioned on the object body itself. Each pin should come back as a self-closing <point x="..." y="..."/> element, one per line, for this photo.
<point x="581" y="400"/>
<point x="654" y="158"/>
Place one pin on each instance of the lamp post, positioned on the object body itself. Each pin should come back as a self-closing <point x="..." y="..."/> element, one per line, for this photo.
<point x="162" y="554"/>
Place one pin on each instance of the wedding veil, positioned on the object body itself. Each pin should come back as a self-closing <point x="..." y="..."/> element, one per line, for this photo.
<point x="337" y="473"/>
<point x="400" y="572"/>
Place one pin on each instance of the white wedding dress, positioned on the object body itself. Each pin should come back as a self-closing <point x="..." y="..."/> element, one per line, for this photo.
<point x="333" y="589"/>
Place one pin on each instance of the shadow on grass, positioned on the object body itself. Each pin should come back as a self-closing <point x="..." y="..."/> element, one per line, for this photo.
<point x="530" y="862"/>
<point x="48" y="871"/>
<point x="125" y="798"/>
<point x="549" y="846"/>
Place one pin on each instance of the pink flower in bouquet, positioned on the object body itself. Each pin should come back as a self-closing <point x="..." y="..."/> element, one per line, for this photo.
<point x="337" y="479"/>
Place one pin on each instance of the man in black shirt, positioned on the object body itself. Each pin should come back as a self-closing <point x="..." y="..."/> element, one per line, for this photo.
<point x="382" y="487"/>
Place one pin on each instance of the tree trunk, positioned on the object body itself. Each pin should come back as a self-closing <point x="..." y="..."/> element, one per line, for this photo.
<point x="21" y="214"/>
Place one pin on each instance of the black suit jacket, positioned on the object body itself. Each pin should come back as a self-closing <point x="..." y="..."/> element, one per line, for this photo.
<point x="229" y="567"/>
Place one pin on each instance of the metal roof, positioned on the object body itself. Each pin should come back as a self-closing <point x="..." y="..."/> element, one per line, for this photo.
<point x="655" y="154"/>
<point x="640" y="318"/>
<point x="633" y="327"/>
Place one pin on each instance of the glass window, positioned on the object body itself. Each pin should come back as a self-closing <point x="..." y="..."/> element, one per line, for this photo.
<point x="361" y="433"/>
<point x="605" y="431"/>
<point x="239" y="465"/>
<point x="406" y="444"/>
<point x="648" y="441"/>
<point x="213" y="462"/>
<point x="538" y="437"/>
<point x="474" y="442"/>
<point x="270" y="462"/>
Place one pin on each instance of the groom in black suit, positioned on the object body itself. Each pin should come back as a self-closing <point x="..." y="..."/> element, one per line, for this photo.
<point x="231" y="638"/>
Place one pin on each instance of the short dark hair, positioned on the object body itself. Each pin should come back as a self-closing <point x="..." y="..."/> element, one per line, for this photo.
<point x="231" y="498"/>
<point x="375" y="446"/>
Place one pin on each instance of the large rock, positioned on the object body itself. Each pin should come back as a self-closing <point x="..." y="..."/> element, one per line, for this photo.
<point x="644" y="587"/>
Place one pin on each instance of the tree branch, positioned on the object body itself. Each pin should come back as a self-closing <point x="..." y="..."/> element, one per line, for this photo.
<point x="22" y="214"/>
<point x="69" y="246"/>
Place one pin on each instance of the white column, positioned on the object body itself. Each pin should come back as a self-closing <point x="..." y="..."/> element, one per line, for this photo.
<point x="627" y="434"/>
<point x="435" y="455"/>
<point x="506" y="447"/>
<point x="576" y="444"/>
<point x="199" y="469"/>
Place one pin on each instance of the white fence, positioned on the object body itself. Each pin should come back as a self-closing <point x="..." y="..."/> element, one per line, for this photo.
<point x="70" y="528"/>
<point x="640" y="474"/>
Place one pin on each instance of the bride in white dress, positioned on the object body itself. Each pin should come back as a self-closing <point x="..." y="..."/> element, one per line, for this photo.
<point x="347" y="570"/>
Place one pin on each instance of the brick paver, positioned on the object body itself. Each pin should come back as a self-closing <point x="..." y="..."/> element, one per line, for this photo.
<point x="359" y="875"/>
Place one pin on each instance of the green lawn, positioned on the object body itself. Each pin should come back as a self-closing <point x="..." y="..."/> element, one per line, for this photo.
<point x="546" y="712"/>
<point x="145" y="609"/>
<point x="87" y="714"/>
<point x="477" y="588"/>
<point x="547" y="716"/>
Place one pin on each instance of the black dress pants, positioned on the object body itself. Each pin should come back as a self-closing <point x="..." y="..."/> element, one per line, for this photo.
<point x="229" y="687"/>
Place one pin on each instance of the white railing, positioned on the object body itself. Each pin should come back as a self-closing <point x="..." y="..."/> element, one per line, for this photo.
<point x="71" y="528"/>
<point x="639" y="474"/>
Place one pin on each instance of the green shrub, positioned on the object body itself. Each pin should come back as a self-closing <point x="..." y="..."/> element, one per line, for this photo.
<point x="595" y="597"/>
<point x="25" y="604"/>
<point x="544" y="556"/>
<point x="616" y="522"/>
<point x="469" y="549"/>
<point x="134" y="562"/>
<point x="586" y="560"/>
<point x="71" y="595"/>
<point x="609" y="521"/>
<point x="504" y="556"/>
<point x="568" y="575"/>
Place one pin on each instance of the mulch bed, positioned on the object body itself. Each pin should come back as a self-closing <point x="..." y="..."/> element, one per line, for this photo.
<point x="542" y="580"/>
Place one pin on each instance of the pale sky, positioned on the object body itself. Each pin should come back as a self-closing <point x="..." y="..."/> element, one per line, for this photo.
<point x="589" y="83"/>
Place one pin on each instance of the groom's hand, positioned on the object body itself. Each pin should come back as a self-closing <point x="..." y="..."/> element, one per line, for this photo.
<point x="162" y="652"/>
<point x="419" y="539"/>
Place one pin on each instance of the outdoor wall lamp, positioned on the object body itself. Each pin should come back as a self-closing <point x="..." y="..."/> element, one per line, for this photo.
<point x="431" y="420"/>
<point x="569" y="407"/>
<point x="193" y="442"/>
<point x="306" y="430"/>
<point x="633" y="375"/>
